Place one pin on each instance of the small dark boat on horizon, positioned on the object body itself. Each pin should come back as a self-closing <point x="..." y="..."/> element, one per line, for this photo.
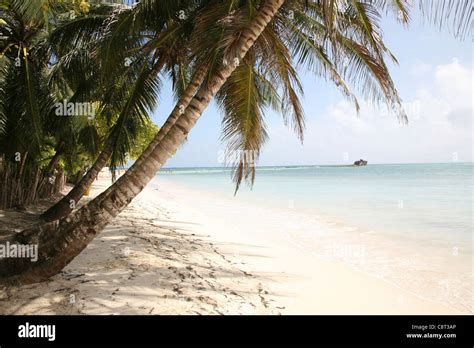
<point x="360" y="162"/>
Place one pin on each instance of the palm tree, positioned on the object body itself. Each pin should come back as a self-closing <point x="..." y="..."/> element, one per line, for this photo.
<point x="30" y="28"/>
<point x="53" y="232"/>
<point x="140" y="77"/>
<point x="27" y="114"/>
<point x="26" y="98"/>
<point x="75" y="69"/>
<point x="175" y="31"/>
<point x="348" y="32"/>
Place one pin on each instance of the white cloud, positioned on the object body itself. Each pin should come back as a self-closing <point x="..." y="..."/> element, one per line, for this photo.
<point x="454" y="84"/>
<point x="440" y="126"/>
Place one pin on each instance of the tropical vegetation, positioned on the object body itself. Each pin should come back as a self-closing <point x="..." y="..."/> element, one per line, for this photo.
<point x="245" y="54"/>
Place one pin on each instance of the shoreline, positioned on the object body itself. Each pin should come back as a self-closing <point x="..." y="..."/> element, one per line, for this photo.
<point x="301" y="282"/>
<point x="165" y="255"/>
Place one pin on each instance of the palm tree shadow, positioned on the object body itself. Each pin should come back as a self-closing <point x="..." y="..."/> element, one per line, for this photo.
<point x="137" y="267"/>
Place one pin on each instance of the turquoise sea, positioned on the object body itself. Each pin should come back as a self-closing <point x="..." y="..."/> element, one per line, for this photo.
<point x="413" y="222"/>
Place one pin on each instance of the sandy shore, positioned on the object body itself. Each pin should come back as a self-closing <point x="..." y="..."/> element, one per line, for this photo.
<point x="174" y="251"/>
<point x="141" y="264"/>
<point x="259" y="239"/>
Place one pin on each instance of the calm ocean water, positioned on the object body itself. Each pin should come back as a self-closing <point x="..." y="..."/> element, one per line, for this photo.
<point x="412" y="223"/>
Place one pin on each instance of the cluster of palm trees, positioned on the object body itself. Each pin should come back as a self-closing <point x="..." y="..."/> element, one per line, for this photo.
<point x="37" y="75"/>
<point x="245" y="54"/>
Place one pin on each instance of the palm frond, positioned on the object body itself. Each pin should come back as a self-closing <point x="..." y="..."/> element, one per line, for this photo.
<point x="242" y="99"/>
<point x="454" y="14"/>
<point x="141" y="101"/>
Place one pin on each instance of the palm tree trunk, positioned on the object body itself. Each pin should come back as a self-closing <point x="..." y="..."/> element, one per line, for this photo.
<point x="59" y="242"/>
<point x="20" y="180"/>
<point x="54" y="161"/>
<point x="67" y="204"/>
<point x="69" y="201"/>
<point x="52" y="164"/>
<point x="183" y="103"/>
<point x="81" y="172"/>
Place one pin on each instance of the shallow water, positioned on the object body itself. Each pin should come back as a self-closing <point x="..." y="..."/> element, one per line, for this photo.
<point x="409" y="224"/>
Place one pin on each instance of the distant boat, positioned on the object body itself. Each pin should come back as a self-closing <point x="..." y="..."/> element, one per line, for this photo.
<point x="360" y="162"/>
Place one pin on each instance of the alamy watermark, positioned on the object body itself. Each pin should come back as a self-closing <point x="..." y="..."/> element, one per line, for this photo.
<point x="235" y="157"/>
<point x="354" y="253"/>
<point x="21" y="251"/>
<point x="66" y="108"/>
<point x="412" y="110"/>
<point x="28" y="330"/>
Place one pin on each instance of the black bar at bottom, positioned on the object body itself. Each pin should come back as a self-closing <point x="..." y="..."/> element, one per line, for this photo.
<point x="449" y="331"/>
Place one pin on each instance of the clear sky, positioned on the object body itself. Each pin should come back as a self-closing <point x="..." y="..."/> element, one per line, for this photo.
<point x="434" y="78"/>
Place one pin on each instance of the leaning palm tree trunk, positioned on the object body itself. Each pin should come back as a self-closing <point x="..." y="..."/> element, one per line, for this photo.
<point x="183" y="103"/>
<point x="69" y="201"/>
<point x="67" y="204"/>
<point x="59" y="242"/>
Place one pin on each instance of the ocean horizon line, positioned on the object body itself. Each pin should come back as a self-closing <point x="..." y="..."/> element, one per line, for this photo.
<point x="316" y="165"/>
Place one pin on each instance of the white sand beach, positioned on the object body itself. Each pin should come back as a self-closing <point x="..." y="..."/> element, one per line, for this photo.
<point x="167" y="255"/>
